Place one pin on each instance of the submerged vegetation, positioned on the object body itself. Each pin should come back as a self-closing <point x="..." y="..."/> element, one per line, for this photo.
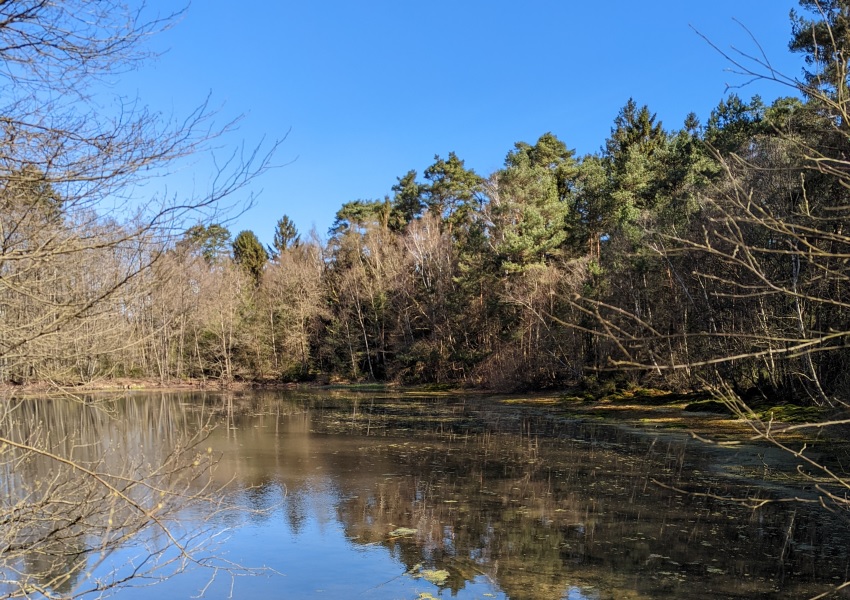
<point x="536" y="500"/>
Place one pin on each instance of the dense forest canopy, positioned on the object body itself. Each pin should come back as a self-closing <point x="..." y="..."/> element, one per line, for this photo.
<point x="679" y="256"/>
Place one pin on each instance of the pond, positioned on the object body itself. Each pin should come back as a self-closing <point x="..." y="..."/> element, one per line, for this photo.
<point x="410" y="496"/>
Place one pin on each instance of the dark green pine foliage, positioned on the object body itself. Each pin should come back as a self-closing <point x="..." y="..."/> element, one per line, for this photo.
<point x="592" y="207"/>
<point x="689" y="167"/>
<point x="453" y="190"/>
<point x="824" y="41"/>
<point x="733" y="123"/>
<point x="212" y="241"/>
<point x="636" y="155"/>
<point x="532" y="207"/>
<point x="407" y="203"/>
<point x="285" y="236"/>
<point x="359" y="215"/>
<point x="249" y="254"/>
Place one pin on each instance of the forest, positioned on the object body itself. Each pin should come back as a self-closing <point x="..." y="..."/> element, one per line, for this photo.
<point x="712" y="253"/>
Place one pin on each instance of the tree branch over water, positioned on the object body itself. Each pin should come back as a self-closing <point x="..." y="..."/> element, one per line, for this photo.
<point x="80" y="235"/>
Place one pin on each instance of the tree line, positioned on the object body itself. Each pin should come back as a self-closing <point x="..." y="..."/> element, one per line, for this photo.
<point x="680" y="256"/>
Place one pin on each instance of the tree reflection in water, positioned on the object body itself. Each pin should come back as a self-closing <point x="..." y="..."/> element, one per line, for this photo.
<point x="83" y="480"/>
<point x="538" y="505"/>
<point x="464" y="496"/>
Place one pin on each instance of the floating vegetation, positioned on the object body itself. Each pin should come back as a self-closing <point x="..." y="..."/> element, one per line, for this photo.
<point x="572" y="399"/>
<point x="438" y="577"/>
<point x="469" y="495"/>
<point x="790" y="413"/>
<point x="533" y="401"/>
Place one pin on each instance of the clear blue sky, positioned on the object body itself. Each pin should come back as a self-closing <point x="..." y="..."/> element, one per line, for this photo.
<point x="368" y="90"/>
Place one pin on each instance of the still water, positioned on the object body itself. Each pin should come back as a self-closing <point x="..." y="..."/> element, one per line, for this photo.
<point x="375" y="496"/>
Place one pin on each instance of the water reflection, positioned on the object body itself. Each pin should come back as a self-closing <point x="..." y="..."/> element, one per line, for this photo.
<point x="538" y="507"/>
<point x="81" y="481"/>
<point x="463" y="497"/>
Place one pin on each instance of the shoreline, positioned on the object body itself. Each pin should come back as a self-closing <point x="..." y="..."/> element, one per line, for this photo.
<point x="645" y="409"/>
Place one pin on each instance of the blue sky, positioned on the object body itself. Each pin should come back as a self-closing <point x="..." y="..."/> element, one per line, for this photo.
<point x="365" y="91"/>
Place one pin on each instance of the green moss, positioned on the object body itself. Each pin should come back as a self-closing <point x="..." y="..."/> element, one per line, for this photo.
<point x="790" y="413"/>
<point x="576" y="399"/>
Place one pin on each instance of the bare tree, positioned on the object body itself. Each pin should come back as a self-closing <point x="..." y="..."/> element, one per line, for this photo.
<point x="77" y="247"/>
<point x="292" y="301"/>
<point x="70" y="167"/>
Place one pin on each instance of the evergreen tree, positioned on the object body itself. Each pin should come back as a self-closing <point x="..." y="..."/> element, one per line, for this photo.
<point x="531" y="209"/>
<point x="212" y="241"/>
<point x="634" y="129"/>
<point x="825" y="43"/>
<point x="407" y="202"/>
<point x="249" y="254"/>
<point x="359" y="215"/>
<point x="592" y="207"/>
<point x="635" y="153"/>
<point x="452" y="189"/>
<point x="285" y="236"/>
<point x="733" y="123"/>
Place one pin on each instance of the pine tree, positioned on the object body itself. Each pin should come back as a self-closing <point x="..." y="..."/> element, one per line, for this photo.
<point x="285" y="236"/>
<point x="249" y="253"/>
<point x="211" y="241"/>
<point x="825" y="43"/>
<point x="407" y="202"/>
<point x="452" y="189"/>
<point x="531" y="209"/>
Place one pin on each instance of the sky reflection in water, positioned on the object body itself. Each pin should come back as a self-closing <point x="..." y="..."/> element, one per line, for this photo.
<point x="367" y="497"/>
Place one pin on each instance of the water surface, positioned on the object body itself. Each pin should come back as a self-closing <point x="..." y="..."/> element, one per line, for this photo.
<point x="381" y="497"/>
